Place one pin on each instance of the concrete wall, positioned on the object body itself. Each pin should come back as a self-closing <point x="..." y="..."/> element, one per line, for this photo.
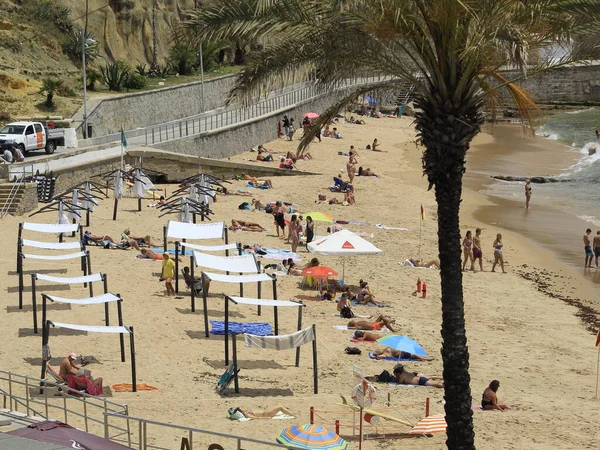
<point x="240" y="137"/>
<point x="157" y="106"/>
<point x="29" y="200"/>
<point x="568" y="84"/>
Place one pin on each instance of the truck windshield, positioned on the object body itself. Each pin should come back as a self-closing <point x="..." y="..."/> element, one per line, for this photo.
<point x="12" y="129"/>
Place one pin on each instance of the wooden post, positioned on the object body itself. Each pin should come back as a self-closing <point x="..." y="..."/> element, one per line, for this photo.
<point x="33" y="303"/>
<point x="337" y="427"/>
<point x="205" y="306"/>
<point x="45" y="337"/>
<point x="236" y="383"/>
<point x="132" y="349"/>
<point x="177" y="269"/>
<point x="19" y="248"/>
<point x="115" y="209"/>
<point x="120" y="319"/>
<point x="165" y="239"/>
<point x="87" y="218"/>
<point x="299" y="328"/>
<point x="140" y="204"/>
<point x="312" y="415"/>
<point x="73" y="232"/>
<point x="193" y="291"/>
<point x="44" y="297"/>
<point x="315" y="367"/>
<point x="20" y="281"/>
<point x="276" y="319"/>
<point x="427" y="407"/>
<point x="259" y="296"/>
<point x="226" y="330"/>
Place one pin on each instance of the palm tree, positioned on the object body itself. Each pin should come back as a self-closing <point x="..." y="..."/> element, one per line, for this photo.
<point x="154" y="66"/>
<point x="50" y="86"/>
<point x="450" y="50"/>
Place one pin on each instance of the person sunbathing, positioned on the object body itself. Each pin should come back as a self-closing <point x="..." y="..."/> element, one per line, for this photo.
<point x="365" y="296"/>
<point x="258" y="182"/>
<point x="356" y="121"/>
<point x="351" y="295"/>
<point x="267" y="413"/>
<point x="225" y="191"/>
<point x="146" y="253"/>
<point x="264" y="154"/>
<point x="245" y="226"/>
<point x="380" y="322"/>
<point x="389" y="352"/>
<point x="69" y="369"/>
<point x="258" y="205"/>
<point x="89" y="237"/>
<point x="349" y="196"/>
<point x="291" y="267"/>
<point x="198" y="285"/>
<point x="146" y="240"/>
<point x="489" y="400"/>
<point x="366" y="336"/>
<point x="402" y="376"/>
<point x="419" y="263"/>
<point x="366" y="172"/>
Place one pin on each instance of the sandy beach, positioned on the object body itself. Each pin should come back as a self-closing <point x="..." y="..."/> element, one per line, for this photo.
<point x="520" y="331"/>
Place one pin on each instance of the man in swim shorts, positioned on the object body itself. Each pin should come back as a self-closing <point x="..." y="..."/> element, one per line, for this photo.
<point x="378" y="324"/>
<point x="596" y="247"/>
<point x="279" y="219"/>
<point x="477" y="252"/>
<point x="589" y="255"/>
<point x="401" y="376"/>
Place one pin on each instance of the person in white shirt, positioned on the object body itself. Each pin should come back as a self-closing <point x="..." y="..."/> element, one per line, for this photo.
<point x="7" y="156"/>
<point x="17" y="154"/>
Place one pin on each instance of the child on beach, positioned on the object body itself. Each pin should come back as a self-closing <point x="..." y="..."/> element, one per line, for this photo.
<point x="168" y="273"/>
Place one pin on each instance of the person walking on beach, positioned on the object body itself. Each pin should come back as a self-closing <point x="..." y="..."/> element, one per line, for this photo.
<point x="468" y="251"/>
<point x="588" y="248"/>
<point x="168" y="273"/>
<point x="286" y="125"/>
<point x="477" y="252"/>
<point x="527" y="193"/>
<point x="498" y="257"/>
<point x="596" y="247"/>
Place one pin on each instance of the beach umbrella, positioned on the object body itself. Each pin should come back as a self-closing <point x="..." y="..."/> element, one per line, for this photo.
<point x="342" y="243"/>
<point x="370" y="99"/>
<point x="430" y="425"/>
<point x="319" y="272"/>
<point x="74" y="214"/>
<point x="315" y="437"/>
<point x="319" y="216"/>
<point x="311" y="115"/>
<point x="65" y="435"/>
<point x="403" y="343"/>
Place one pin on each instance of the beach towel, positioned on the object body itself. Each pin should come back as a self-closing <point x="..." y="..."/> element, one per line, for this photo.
<point x="160" y="251"/>
<point x="407" y="263"/>
<point x="258" y="328"/>
<point x="385" y="227"/>
<point x="372" y="356"/>
<point x="262" y="186"/>
<point x="279" y="254"/>
<point x="345" y="328"/>
<point x="371" y="305"/>
<point x="406" y="385"/>
<point x="124" y="387"/>
<point x="278" y="416"/>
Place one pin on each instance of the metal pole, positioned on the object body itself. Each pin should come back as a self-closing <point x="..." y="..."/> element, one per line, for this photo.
<point x="34" y="303"/>
<point x="201" y="78"/>
<point x="84" y="80"/>
<point x="132" y="349"/>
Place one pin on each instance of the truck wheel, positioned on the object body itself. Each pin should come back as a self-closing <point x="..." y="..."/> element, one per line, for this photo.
<point x="22" y="148"/>
<point x="50" y="147"/>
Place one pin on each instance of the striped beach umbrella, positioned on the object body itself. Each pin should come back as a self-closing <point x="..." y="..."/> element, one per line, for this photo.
<point x="311" y="437"/>
<point x="430" y="425"/>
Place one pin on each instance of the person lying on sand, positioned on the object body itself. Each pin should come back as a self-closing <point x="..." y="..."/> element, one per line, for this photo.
<point x="291" y="267"/>
<point x="258" y="182"/>
<point x="225" y="191"/>
<point x="489" y="400"/>
<point x="366" y="336"/>
<point x="146" y="253"/>
<point x="245" y="226"/>
<point x="267" y="413"/>
<point x="146" y="240"/>
<point x="389" y="352"/>
<point x="380" y="322"/>
<point x="366" y="172"/>
<point x="89" y="237"/>
<point x="419" y="263"/>
<point x="401" y="376"/>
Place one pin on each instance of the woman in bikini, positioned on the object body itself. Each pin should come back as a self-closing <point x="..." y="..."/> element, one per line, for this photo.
<point x="377" y="325"/>
<point x="245" y="226"/>
<point x="350" y="167"/>
<point x="498" y="257"/>
<point x="365" y="296"/>
<point x="294" y="228"/>
<point x="468" y="250"/>
<point x="267" y="413"/>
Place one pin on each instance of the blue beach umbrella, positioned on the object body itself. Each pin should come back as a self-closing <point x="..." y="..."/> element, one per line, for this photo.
<point x="370" y="99"/>
<point x="314" y="437"/>
<point x="403" y="343"/>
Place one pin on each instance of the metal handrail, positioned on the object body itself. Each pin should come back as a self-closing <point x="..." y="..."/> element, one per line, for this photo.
<point x="142" y="443"/>
<point x="12" y="195"/>
<point x="207" y="122"/>
<point x="56" y="399"/>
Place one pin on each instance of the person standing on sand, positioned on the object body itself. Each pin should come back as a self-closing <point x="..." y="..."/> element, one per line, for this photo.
<point x="527" y="193"/>
<point x="468" y="251"/>
<point x="286" y="126"/>
<point x="596" y="247"/>
<point x="477" y="252"/>
<point x="168" y="273"/>
<point x="498" y="257"/>
<point x="588" y="248"/>
<point x="279" y="219"/>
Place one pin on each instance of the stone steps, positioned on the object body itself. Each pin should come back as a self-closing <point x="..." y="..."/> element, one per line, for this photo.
<point x="5" y="193"/>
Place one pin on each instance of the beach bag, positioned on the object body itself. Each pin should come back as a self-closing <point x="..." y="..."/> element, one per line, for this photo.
<point x="346" y="313"/>
<point x="269" y="210"/>
<point x="352" y="351"/>
<point x="385" y="377"/>
<point x="244" y="205"/>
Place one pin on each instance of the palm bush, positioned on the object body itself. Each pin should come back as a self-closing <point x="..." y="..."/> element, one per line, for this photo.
<point x="183" y="57"/>
<point x="115" y="74"/>
<point x="93" y="77"/>
<point x="72" y="46"/>
<point x="450" y="51"/>
<point x="50" y="87"/>
<point x="141" y="69"/>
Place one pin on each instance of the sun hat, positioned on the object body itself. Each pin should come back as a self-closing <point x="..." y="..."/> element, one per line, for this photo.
<point x="73" y="355"/>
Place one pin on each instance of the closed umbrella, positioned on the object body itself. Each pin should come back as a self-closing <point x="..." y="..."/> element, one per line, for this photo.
<point x="312" y="437"/>
<point x="62" y="434"/>
<point x="403" y="343"/>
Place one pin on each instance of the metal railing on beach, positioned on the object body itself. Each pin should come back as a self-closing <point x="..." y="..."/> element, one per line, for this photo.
<point x="19" y="175"/>
<point x="21" y="394"/>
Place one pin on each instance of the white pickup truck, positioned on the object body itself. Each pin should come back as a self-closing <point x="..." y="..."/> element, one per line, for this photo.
<point x="29" y="136"/>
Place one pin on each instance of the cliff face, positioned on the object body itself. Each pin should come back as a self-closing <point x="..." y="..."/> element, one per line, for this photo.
<point x="124" y="27"/>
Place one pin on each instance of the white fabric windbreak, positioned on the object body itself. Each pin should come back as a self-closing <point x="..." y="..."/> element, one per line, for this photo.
<point x="73" y="280"/>
<point x="263" y="302"/>
<point x="51" y="245"/>
<point x="50" y="227"/>
<point x="104" y="298"/>
<point x="62" y="218"/>
<point x="75" y="213"/>
<point x="88" y="201"/>
<point x="92" y="328"/>
<point x="118" y="187"/>
<point x="284" y="342"/>
<point x="210" y="248"/>
<point x="240" y="263"/>
<point x="253" y="278"/>
<point x="181" y="230"/>
<point x="56" y="257"/>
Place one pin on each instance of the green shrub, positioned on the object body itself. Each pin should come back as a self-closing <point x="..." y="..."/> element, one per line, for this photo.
<point x="135" y="81"/>
<point x="50" y="87"/>
<point x="141" y="69"/>
<point x="72" y="47"/>
<point x="92" y="77"/>
<point x="115" y="74"/>
<point x="183" y="58"/>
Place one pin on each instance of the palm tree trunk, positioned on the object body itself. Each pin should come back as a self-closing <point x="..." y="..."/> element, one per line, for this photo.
<point x="455" y="354"/>
<point x="154" y="65"/>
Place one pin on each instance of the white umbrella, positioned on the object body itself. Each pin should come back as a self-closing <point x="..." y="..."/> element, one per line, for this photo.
<point x="63" y="219"/>
<point x="75" y="212"/>
<point x="184" y="213"/>
<point x="118" y="188"/>
<point x="193" y="192"/>
<point x="342" y="243"/>
<point x="142" y="183"/>
<point x="206" y="198"/>
<point x="88" y="202"/>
